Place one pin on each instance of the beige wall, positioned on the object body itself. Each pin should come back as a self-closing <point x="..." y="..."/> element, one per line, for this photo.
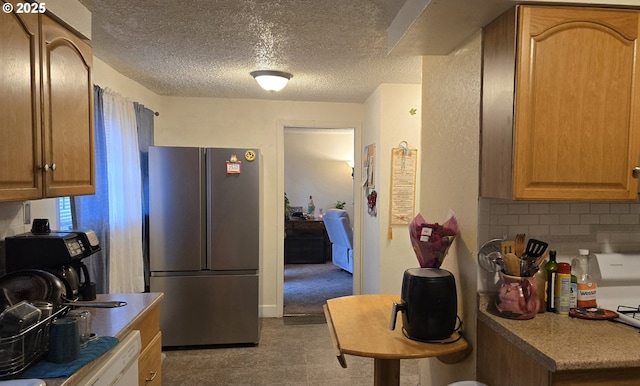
<point x="450" y="144"/>
<point x="370" y="262"/>
<point x="106" y="77"/>
<point x="255" y="124"/>
<point x="389" y="122"/>
<point x="316" y="164"/>
<point x="71" y="12"/>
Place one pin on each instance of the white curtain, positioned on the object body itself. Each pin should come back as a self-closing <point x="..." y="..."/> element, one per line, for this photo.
<point x="126" y="273"/>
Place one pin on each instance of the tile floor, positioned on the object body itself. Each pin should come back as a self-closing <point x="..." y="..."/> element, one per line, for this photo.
<point x="286" y="355"/>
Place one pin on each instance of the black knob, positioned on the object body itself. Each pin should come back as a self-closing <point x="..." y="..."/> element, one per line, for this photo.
<point x="40" y="226"/>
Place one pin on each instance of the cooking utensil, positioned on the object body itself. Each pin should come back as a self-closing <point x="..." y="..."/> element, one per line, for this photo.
<point x="540" y="259"/>
<point x="512" y="264"/>
<point x="528" y="266"/>
<point x="97" y="304"/>
<point x="35" y="285"/>
<point x="69" y="278"/>
<point x="535" y="248"/>
<point x="519" y="244"/>
<point x="489" y="257"/>
<point x="507" y="246"/>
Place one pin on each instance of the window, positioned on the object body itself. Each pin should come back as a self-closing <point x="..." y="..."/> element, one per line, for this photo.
<point x="65" y="221"/>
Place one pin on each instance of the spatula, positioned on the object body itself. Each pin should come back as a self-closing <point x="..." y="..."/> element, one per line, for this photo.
<point x="507" y="246"/>
<point x="535" y="248"/>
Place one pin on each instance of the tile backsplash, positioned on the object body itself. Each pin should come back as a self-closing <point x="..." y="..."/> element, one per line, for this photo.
<point x="12" y="216"/>
<point x="566" y="226"/>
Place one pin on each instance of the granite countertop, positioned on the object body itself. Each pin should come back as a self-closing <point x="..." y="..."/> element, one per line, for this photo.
<point x="561" y="342"/>
<point x="116" y="322"/>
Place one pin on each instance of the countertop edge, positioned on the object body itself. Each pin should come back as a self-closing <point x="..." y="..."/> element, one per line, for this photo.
<point x="154" y="299"/>
<point x="536" y="354"/>
<point x="555" y="352"/>
<point x="141" y="315"/>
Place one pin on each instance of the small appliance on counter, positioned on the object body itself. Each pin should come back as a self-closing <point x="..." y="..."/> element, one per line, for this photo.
<point x="618" y="276"/>
<point x="429" y="304"/>
<point x="60" y="253"/>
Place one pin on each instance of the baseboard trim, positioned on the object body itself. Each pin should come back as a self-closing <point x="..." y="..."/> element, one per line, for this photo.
<point x="269" y="311"/>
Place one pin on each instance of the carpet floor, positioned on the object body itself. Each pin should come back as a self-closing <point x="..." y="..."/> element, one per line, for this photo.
<point x="308" y="286"/>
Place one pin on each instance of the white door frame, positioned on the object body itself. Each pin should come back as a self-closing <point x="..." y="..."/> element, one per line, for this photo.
<point x="357" y="201"/>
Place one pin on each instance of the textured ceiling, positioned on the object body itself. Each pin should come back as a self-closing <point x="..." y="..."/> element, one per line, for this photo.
<point x="335" y="49"/>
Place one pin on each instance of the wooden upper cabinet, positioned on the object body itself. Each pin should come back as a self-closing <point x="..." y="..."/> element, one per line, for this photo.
<point x="67" y="112"/>
<point x="20" y="146"/>
<point x="46" y="110"/>
<point x="561" y="114"/>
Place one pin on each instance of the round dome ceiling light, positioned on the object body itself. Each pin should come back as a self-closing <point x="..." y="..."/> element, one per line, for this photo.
<point x="271" y="80"/>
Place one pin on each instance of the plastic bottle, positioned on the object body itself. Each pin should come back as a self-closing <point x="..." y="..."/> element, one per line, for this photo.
<point x="563" y="288"/>
<point x="573" y="300"/>
<point x="587" y="286"/>
<point x="552" y="269"/>
<point x="311" y="208"/>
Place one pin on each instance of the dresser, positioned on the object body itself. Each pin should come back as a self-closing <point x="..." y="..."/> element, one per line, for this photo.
<point x="306" y="242"/>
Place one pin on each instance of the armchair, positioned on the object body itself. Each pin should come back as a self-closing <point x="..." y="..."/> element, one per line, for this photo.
<point x="338" y="226"/>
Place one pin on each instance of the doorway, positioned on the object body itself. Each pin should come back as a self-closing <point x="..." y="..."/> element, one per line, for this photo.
<point x="318" y="176"/>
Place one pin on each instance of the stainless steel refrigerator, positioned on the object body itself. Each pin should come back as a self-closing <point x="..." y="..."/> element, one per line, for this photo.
<point x="204" y="231"/>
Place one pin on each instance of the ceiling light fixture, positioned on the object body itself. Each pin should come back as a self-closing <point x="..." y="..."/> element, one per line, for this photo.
<point x="271" y="80"/>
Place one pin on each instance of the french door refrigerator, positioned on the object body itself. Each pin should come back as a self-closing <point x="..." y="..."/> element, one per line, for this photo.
<point x="204" y="243"/>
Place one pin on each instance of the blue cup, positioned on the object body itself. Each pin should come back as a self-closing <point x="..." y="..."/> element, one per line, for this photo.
<point x="64" y="341"/>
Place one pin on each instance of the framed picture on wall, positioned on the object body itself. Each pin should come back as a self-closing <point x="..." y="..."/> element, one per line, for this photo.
<point x="368" y="167"/>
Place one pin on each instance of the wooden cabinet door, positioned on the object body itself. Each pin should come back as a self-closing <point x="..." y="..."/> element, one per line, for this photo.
<point x="68" y="112"/>
<point x="577" y="112"/>
<point x="150" y="363"/>
<point x="20" y="147"/>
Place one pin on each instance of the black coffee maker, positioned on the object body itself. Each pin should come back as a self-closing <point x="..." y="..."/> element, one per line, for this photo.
<point x="60" y="253"/>
<point x="429" y="304"/>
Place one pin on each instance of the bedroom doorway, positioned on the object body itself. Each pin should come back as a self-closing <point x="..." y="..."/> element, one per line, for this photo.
<point x="318" y="166"/>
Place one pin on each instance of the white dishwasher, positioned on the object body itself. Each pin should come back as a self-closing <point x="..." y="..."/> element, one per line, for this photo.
<point x="120" y="367"/>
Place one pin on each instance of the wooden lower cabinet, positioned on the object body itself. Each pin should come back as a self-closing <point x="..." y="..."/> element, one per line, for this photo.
<point x="501" y="363"/>
<point x="150" y="360"/>
<point x="150" y="363"/>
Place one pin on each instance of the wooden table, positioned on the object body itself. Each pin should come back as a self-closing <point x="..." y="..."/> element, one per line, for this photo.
<point x="359" y="325"/>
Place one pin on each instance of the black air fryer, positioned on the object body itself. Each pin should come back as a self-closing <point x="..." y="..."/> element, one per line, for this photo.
<point x="429" y="304"/>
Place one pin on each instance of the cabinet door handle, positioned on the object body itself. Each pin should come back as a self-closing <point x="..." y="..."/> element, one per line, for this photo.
<point x="153" y="375"/>
<point x="46" y="167"/>
<point x="636" y="172"/>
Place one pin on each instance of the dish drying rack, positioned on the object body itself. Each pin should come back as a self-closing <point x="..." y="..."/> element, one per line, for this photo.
<point x="20" y="351"/>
